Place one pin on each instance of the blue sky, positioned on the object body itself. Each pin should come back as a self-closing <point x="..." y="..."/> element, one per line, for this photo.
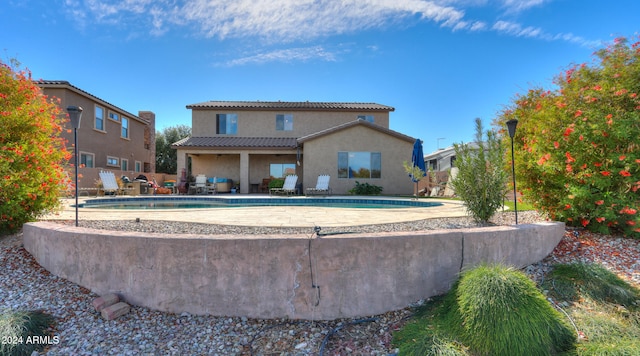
<point x="439" y="63"/>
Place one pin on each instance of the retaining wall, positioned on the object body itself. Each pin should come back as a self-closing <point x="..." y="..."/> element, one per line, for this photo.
<point x="283" y="276"/>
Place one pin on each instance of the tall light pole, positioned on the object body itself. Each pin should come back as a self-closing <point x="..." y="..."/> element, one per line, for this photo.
<point x="75" y="115"/>
<point x="511" y="126"/>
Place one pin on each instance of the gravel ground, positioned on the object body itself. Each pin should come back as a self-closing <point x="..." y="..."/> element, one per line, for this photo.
<point x="25" y="285"/>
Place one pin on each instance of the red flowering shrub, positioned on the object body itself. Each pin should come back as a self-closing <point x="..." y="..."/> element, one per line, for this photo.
<point x="31" y="150"/>
<point x="578" y="147"/>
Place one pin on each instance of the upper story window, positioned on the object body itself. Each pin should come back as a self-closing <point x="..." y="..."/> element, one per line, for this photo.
<point x="125" y="128"/>
<point x="124" y="164"/>
<point x="99" y="119"/>
<point x="138" y="166"/>
<point x="368" y="118"/>
<point x="227" y="124"/>
<point x="113" y="116"/>
<point x="284" y="122"/>
<point x="359" y="164"/>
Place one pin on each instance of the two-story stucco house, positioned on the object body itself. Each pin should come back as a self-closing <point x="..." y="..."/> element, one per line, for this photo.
<point x="248" y="141"/>
<point x="109" y="137"/>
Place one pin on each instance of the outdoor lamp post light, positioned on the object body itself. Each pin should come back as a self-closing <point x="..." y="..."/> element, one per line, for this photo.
<point x="75" y="115"/>
<point x="511" y="126"/>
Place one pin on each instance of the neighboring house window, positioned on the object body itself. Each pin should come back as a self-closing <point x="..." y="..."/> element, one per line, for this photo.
<point x="280" y="170"/>
<point x="113" y="161"/>
<point x="359" y="164"/>
<point x="124" y="164"/>
<point x="125" y="128"/>
<point x="368" y="118"/>
<point x="99" y="120"/>
<point x="138" y="167"/>
<point x="113" y="116"/>
<point x="86" y="159"/>
<point x="284" y="122"/>
<point x="227" y="124"/>
<point x="433" y="164"/>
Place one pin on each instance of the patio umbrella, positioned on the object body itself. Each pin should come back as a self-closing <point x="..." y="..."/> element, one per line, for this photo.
<point x="417" y="160"/>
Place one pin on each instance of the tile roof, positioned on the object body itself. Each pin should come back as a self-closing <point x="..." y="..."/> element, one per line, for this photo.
<point x="238" y="142"/>
<point x="353" y="123"/>
<point x="65" y="84"/>
<point x="290" y="105"/>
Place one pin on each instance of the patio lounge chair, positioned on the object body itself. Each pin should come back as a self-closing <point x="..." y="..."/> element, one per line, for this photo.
<point x="200" y="186"/>
<point x="109" y="183"/>
<point x="289" y="186"/>
<point x="322" y="186"/>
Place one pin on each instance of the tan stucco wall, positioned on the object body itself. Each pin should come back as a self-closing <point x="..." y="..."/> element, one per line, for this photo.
<point x="269" y="276"/>
<point x="263" y="123"/>
<point x="321" y="157"/>
<point x="108" y="142"/>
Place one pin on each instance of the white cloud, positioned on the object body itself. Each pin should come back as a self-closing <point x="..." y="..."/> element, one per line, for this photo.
<point x="515" y="29"/>
<point x="291" y="21"/>
<point x="271" y="20"/>
<point x="514" y="6"/>
<point x="302" y="54"/>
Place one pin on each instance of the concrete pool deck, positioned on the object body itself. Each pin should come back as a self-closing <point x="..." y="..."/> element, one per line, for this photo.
<point x="273" y="216"/>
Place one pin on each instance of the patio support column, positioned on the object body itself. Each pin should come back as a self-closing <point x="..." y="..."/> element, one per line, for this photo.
<point x="244" y="172"/>
<point x="181" y="161"/>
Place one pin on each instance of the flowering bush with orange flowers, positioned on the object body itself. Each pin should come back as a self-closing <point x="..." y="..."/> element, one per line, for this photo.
<point x="577" y="148"/>
<point x="32" y="152"/>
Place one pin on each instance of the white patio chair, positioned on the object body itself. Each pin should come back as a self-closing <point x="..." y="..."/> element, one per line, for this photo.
<point x="200" y="186"/>
<point x="322" y="185"/>
<point x="109" y="183"/>
<point x="289" y="186"/>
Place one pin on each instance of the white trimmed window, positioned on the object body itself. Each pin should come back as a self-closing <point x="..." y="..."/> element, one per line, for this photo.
<point x="86" y="159"/>
<point x="124" y="164"/>
<point x="125" y="128"/>
<point x="113" y="161"/>
<point x="98" y="122"/>
<point x="113" y="116"/>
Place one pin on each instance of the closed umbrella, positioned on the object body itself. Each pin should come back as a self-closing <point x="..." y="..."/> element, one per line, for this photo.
<point x="417" y="160"/>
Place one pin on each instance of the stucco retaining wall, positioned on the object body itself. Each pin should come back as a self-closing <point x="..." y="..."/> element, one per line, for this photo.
<point x="277" y="276"/>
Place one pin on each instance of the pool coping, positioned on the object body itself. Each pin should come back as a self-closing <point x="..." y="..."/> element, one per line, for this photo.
<point x="268" y="216"/>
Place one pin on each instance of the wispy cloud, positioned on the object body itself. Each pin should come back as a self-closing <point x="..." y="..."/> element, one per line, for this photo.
<point x="514" y="6"/>
<point x="301" y="54"/>
<point x="302" y="21"/>
<point x="517" y="30"/>
<point x="276" y="21"/>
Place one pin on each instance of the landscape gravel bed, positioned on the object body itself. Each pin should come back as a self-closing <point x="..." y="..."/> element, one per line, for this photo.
<point x="24" y="285"/>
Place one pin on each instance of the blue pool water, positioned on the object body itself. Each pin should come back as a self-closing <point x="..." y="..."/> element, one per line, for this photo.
<point x="191" y="202"/>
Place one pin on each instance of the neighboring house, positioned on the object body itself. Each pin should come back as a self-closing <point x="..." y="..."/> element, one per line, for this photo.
<point x="109" y="137"/>
<point x="248" y="141"/>
<point x="443" y="159"/>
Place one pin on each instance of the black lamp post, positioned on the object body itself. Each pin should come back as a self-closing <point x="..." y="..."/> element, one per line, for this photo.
<point x="75" y="115"/>
<point x="511" y="125"/>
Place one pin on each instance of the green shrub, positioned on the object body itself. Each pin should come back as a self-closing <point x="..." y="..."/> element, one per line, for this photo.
<point x="276" y="183"/>
<point x="32" y="152"/>
<point x="577" y="151"/>
<point x="365" y="189"/>
<point x="497" y="310"/>
<point x="575" y="281"/>
<point x="481" y="179"/>
<point x="22" y="332"/>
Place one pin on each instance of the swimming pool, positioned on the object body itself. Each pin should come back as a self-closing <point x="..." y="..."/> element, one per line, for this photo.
<point x="192" y="202"/>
